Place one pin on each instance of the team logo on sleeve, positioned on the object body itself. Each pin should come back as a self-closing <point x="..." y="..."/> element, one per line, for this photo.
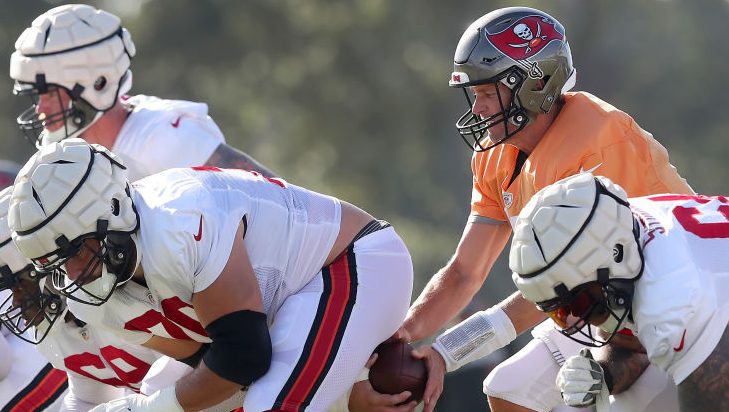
<point x="524" y="38"/>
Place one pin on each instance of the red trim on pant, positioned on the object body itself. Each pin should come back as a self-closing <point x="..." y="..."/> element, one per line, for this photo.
<point x="336" y="315"/>
<point x="49" y="387"/>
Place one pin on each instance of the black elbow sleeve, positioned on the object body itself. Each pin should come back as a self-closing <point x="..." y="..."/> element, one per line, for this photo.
<point x="241" y="347"/>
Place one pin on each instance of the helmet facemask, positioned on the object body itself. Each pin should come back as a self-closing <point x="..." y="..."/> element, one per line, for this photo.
<point x="473" y="128"/>
<point x="33" y="307"/>
<point x="110" y="261"/>
<point x="74" y="114"/>
<point x="605" y="304"/>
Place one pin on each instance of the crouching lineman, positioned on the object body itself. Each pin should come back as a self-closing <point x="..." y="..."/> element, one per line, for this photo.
<point x="289" y="290"/>
<point x="100" y="366"/>
<point x="27" y="380"/>
<point x="586" y="255"/>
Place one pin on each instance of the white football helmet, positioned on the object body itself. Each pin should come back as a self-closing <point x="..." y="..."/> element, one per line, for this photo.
<point x="31" y="309"/>
<point x="79" y="56"/>
<point x="69" y="192"/>
<point x="575" y="253"/>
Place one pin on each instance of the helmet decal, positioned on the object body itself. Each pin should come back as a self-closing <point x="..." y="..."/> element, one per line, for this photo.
<point x="524" y="38"/>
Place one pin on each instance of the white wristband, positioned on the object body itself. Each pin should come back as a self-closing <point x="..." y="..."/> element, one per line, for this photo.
<point x="478" y="336"/>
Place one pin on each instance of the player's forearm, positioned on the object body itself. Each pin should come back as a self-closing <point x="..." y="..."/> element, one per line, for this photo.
<point x="523" y="314"/>
<point x="444" y="297"/>
<point x="624" y="366"/>
<point x="203" y="388"/>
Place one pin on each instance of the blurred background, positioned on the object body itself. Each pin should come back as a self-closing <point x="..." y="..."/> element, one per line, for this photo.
<point x="352" y="99"/>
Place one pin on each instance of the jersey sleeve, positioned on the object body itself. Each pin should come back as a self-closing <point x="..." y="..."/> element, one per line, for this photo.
<point x="163" y="134"/>
<point x="193" y="250"/>
<point x="187" y="141"/>
<point x="666" y="299"/>
<point x="213" y="254"/>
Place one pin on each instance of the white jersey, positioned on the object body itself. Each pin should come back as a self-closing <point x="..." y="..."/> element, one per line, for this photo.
<point x="160" y="134"/>
<point x="680" y="307"/>
<point x="189" y="218"/>
<point x="98" y="355"/>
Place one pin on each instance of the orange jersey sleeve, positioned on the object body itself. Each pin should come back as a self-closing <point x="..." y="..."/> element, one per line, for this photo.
<point x="587" y="135"/>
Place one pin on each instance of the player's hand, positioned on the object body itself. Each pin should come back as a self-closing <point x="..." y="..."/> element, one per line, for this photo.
<point x="163" y="400"/>
<point x="364" y="398"/>
<point x="436" y="375"/>
<point x="401" y="334"/>
<point x="581" y="380"/>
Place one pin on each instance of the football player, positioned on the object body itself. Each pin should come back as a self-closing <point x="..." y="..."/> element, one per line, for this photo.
<point x="288" y="290"/>
<point x="657" y="265"/>
<point x="27" y="380"/>
<point x="527" y="131"/>
<point x="74" y="63"/>
<point x="100" y="366"/>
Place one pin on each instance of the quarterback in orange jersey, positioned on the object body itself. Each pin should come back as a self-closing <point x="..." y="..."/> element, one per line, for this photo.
<point x="515" y="67"/>
<point x="587" y="135"/>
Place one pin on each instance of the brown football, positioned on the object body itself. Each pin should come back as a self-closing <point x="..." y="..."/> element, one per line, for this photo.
<point x="396" y="371"/>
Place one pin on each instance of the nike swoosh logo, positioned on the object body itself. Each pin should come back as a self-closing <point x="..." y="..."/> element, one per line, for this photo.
<point x="591" y="170"/>
<point x="680" y="345"/>
<point x="199" y="231"/>
<point x="176" y="123"/>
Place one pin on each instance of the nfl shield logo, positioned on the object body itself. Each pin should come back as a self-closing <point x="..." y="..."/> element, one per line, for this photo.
<point x="508" y="198"/>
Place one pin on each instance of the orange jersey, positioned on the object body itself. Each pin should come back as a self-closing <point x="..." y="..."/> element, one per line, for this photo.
<point x="587" y="135"/>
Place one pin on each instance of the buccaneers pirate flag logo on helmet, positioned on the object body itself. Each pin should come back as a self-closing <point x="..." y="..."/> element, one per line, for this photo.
<point x="524" y="38"/>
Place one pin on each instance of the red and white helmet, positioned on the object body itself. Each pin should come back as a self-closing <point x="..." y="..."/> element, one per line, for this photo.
<point x="522" y="48"/>
<point x="81" y="50"/>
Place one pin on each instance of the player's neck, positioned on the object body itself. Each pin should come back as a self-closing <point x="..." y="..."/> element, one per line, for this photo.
<point x="528" y="139"/>
<point x="105" y="130"/>
<point x="138" y="276"/>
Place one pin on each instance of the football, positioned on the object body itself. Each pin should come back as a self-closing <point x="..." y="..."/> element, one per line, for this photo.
<point x="395" y="371"/>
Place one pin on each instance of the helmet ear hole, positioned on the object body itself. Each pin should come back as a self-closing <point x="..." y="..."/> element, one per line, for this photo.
<point x="618" y="253"/>
<point x="100" y="83"/>
<point x="120" y="256"/>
